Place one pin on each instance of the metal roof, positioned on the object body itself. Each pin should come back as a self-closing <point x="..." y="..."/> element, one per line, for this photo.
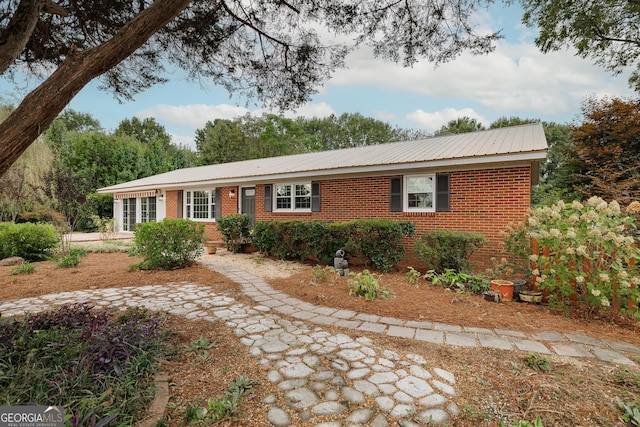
<point x="510" y="144"/>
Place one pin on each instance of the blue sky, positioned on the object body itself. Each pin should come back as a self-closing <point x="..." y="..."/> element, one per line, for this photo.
<point x="515" y="80"/>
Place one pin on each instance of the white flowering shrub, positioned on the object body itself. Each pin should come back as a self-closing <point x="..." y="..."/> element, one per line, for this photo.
<point x="588" y="252"/>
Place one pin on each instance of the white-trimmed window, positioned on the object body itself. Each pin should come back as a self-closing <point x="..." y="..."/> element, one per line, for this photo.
<point x="292" y="197"/>
<point x="200" y="204"/>
<point x="419" y="193"/>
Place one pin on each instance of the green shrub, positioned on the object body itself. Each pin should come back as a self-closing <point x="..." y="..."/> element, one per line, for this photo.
<point x="235" y="229"/>
<point x="33" y="242"/>
<point x="68" y="261"/>
<point x="169" y="244"/>
<point x="376" y="242"/>
<point x="24" y="268"/>
<point x="367" y="285"/>
<point x="586" y="249"/>
<point x="72" y="259"/>
<point x="448" y="249"/>
<point x="297" y="240"/>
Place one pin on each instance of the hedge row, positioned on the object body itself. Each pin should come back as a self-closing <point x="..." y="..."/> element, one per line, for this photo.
<point x="376" y="242"/>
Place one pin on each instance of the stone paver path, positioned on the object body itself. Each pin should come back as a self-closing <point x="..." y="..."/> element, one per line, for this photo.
<point x="320" y="375"/>
<point x="545" y="342"/>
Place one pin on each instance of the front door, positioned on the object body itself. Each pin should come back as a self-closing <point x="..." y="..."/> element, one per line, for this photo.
<point x="248" y="202"/>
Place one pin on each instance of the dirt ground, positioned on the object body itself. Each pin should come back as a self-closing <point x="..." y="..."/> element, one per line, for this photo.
<point x="492" y="385"/>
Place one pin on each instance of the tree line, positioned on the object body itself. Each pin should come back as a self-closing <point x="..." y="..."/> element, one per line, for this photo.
<point x="75" y="156"/>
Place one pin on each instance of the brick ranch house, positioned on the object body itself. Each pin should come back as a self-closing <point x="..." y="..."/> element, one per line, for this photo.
<point x="479" y="182"/>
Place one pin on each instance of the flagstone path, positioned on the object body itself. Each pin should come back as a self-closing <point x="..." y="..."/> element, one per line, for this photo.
<point x="323" y="376"/>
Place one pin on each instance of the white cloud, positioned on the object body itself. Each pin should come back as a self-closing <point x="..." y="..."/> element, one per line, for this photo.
<point x="309" y="110"/>
<point x="385" y="116"/>
<point x="193" y="116"/>
<point x="434" y="121"/>
<point x="515" y="78"/>
<point x="183" y="140"/>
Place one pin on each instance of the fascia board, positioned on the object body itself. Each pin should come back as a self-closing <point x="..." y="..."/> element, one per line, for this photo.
<point x="500" y="161"/>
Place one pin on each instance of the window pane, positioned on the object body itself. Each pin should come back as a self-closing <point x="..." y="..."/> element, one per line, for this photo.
<point x="200" y="204"/>
<point x="283" y="196"/>
<point x="152" y="209"/>
<point x="420" y="200"/>
<point x="420" y="192"/>
<point x="303" y="196"/>
<point x="143" y="210"/>
<point x="125" y="214"/>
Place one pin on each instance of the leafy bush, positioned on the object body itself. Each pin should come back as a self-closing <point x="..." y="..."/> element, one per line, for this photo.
<point x="102" y="365"/>
<point x="169" y="244"/>
<point x="24" y="268"/>
<point x="377" y="242"/>
<point x="448" y="249"/>
<point x="235" y="229"/>
<point x="458" y="281"/>
<point x="412" y="275"/>
<point x="367" y="285"/>
<point x="297" y="240"/>
<point x="586" y="249"/>
<point x="72" y="259"/>
<point x="33" y="242"/>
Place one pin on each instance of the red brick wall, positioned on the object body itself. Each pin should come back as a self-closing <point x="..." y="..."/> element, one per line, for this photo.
<point x="484" y="201"/>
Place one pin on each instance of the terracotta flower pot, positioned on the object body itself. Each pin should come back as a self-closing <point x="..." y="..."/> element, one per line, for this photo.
<point x="211" y="250"/>
<point x="505" y="287"/>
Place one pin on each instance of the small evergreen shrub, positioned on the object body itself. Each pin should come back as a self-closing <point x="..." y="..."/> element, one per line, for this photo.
<point x="448" y="249"/>
<point x="377" y="242"/>
<point x="235" y="229"/>
<point x="297" y="240"/>
<point x="33" y="242"/>
<point x="169" y="244"/>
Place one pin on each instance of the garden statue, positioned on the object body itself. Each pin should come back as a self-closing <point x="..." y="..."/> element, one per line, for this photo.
<point x="340" y="264"/>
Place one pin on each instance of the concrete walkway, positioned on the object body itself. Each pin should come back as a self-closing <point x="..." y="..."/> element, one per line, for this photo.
<point x="323" y="376"/>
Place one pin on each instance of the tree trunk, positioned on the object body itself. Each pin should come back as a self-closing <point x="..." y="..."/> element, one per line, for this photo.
<point x="40" y="107"/>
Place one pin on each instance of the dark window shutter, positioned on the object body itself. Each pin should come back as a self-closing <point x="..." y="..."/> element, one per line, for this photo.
<point x="217" y="207"/>
<point x="179" y="204"/>
<point x="395" y="201"/>
<point x="315" y="197"/>
<point x="268" y="198"/>
<point x="442" y="193"/>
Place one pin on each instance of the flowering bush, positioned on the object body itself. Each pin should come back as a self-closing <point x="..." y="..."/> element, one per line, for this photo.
<point x="587" y="251"/>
